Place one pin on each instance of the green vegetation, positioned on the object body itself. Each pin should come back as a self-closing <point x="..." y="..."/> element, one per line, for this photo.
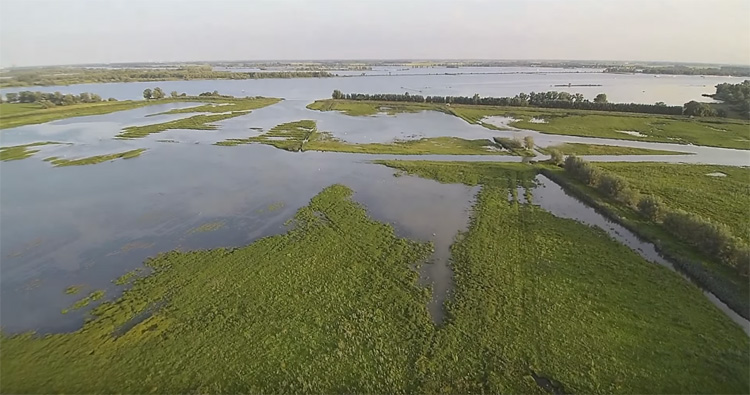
<point x="285" y="314"/>
<point x="531" y="297"/>
<point x="223" y="104"/>
<point x="73" y="289"/>
<point x="207" y="227"/>
<point x="128" y="277"/>
<point x="196" y="122"/>
<point x="19" y="114"/>
<point x="737" y="96"/>
<point x="17" y="152"/>
<point x="47" y="100"/>
<point x="723" y="199"/>
<point x="282" y="314"/>
<point x="92" y="297"/>
<point x="703" y="249"/>
<point x="91" y="160"/>
<point x="303" y="136"/>
<point x="46" y="76"/>
<point x="596" y="149"/>
<point x="714" y="132"/>
<point x="681" y="70"/>
<point x="551" y="99"/>
<point x="514" y="145"/>
<point x="290" y="136"/>
<point x="7" y="109"/>
<point x="361" y="108"/>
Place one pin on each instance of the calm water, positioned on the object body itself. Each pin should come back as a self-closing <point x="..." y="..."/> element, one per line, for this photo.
<point x="88" y="225"/>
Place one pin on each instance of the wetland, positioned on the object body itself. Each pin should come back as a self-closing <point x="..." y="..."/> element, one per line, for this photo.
<point x="311" y="245"/>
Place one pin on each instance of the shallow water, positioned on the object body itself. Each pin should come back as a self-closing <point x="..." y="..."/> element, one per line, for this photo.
<point x="88" y="225"/>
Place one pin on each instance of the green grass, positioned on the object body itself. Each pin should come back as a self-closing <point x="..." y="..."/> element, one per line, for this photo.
<point x="73" y="289"/>
<point x="19" y="114"/>
<point x="18" y="152"/>
<point x="289" y="136"/>
<point x="92" y="297"/>
<point x="537" y="293"/>
<point x="364" y="108"/>
<point x="10" y="109"/>
<point x="596" y="149"/>
<point x="207" y="227"/>
<point x="333" y="306"/>
<point x="91" y="160"/>
<point x="303" y="136"/>
<point x="196" y="122"/>
<point x="221" y="105"/>
<point x="711" y="274"/>
<point x="724" y="200"/>
<point x="714" y="132"/>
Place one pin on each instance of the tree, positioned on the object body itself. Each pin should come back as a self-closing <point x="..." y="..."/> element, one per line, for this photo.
<point x="600" y="98"/>
<point x="12" y="97"/>
<point x="694" y="108"/>
<point x="660" y="104"/>
<point x="157" y="93"/>
<point x="528" y="142"/>
<point x="174" y="94"/>
<point x="337" y="94"/>
<point x="147" y="93"/>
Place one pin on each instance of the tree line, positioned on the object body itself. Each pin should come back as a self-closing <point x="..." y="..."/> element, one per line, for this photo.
<point x="713" y="239"/>
<point x="738" y="95"/>
<point x="70" y="76"/>
<point x="738" y="71"/>
<point x="53" y="99"/>
<point x="551" y="99"/>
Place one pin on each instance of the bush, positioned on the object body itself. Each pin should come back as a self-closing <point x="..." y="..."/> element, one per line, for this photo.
<point x="556" y="157"/>
<point x="651" y="207"/>
<point x="612" y="185"/>
<point x="528" y="142"/>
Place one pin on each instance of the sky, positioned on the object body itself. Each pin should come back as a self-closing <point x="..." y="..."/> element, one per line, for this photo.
<point x="44" y="32"/>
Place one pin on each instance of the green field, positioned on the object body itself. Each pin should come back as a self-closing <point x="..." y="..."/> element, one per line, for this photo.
<point x="19" y="114"/>
<point x="596" y="149"/>
<point x="226" y="104"/>
<point x="724" y="200"/>
<point x="91" y="160"/>
<point x="714" y="132"/>
<point x="24" y="151"/>
<point x="361" y="108"/>
<point x="303" y="136"/>
<point x="285" y="314"/>
<point x="714" y="275"/>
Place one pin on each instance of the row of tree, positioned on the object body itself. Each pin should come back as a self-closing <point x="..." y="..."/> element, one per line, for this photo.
<point x="70" y="76"/>
<point x="53" y="99"/>
<point x="713" y="239"/>
<point x="741" y="71"/>
<point x="550" y="99"/>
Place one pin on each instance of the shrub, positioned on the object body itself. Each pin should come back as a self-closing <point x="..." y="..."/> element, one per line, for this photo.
<point x="556" y="157"/>
<point x="651" y="207"/>
<point x="528" y="142"/>
<point x="611" y="185"/>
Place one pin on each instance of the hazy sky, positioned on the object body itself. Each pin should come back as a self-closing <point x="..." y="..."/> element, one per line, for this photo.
<point x="41" y="32"/>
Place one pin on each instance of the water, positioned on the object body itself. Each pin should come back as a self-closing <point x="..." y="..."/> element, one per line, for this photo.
<point x="638" y="88"/>
<point x="88" y="225"/>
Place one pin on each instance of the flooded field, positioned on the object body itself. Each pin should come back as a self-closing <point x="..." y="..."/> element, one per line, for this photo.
<point x="84" y="226"/>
